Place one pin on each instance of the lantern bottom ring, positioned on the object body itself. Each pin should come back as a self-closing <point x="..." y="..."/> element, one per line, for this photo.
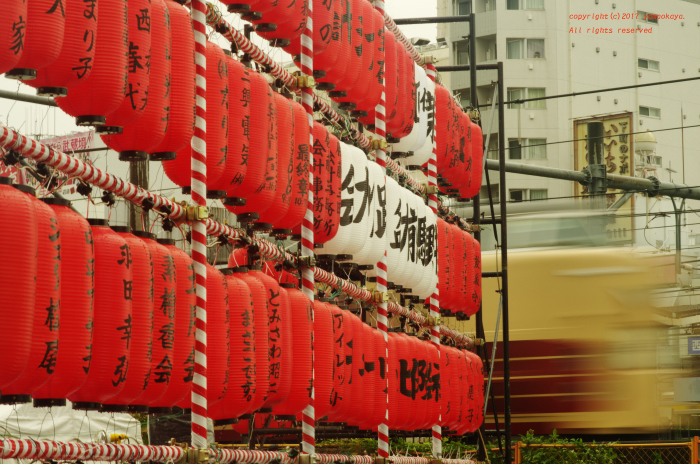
<point x="52" y="91"/>
<point x="218" y="422"/>
<point x="108" y="130"/>
<point x="49" y="402"/>
<point x="15" y="399"/>
<point x="251" y="16"/>
<point x="238" y="8"/>
<point x="263" y="410"/>
<point x="358" y="114"/>
<point x="281" y="418"/>
<point x="113" y="408"/>
<point x="234" y="201"/>
<point x="262" y="226"/>
<point x="137" y="408"/>
<point x="327" y="86"/>
<point x="160" y="410"/>
<point x="338" y="94"/>
<point x="23" y="74"/>
<point x="132" y="155"/>
<point x="347" y="106"/>
<point x="280" y="233"/>
<point x="343" y="257"/>
<point x="248" y="217"/>
<point x="295" y="238"/>
<point x="90" y="120"/>
<point x="216" y="194"/>
<point x="87" y="406"/>
<point x="319" y="74"/>
<point x="163" y="156"/>
<point x="280" y="43"/>
<point x="265" y="27"/>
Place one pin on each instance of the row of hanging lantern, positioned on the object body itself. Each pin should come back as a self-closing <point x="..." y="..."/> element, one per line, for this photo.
<point x="459" y="270"/>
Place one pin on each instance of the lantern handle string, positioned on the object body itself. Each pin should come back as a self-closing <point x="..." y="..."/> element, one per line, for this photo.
<point x="41" y="426"/>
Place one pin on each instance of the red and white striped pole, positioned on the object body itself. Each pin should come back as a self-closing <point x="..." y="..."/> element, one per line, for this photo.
<point x="199" y="230"/>
<point x="308" y="426"/>
<point x="435" y="297"/>
<point x="382" y="313"/>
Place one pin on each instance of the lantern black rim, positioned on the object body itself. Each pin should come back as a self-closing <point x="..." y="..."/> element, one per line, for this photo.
<point x="338" y="94"/>
<point x="133" y="155"/>
<point x="287" y="285"/>
<point x="163" y="156"/>
<point x="238" y="7"/>
<point x="98" y="222"/>
<point x="248" y="217"/>
<point x="265" y="27"/>
<point x="281" y="232"/>
<point x="56" y="201"/>
<point x="280" y="43"/>
<point x="48" y="402"/>
<point x="109" y="130"/>
<point x="262" y="226"/>
<point x="15" y="399"/>
<point x="252" y="16"/>
<point x="234" y="201"/>
<point x="166" y="241"/>
<point x="90" y="120"/>
<point x="86" y="406"/>
<point x="328" y="86"/>
<point x="23" y="74"/>
<point x="255" y="267"/>
<point x="343" y="257"/>
<point x="216" y="194"/>
<point x="159" y="410"/>
<point x="121" y="229"/>
<point x="113" y="408"/>
<point x="25" y="189"/>
<point x="144" y="234"/>
<point x="319" y="74"/>
<point x="6" y="180"/>
<point x="225" y="421"/>
<point x="347" y="106"/>
<point x="137" y="408"/>
<point x="238" y="269"/>
<point x="52" y="91"/>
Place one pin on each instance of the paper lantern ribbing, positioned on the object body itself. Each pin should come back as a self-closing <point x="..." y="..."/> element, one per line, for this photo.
<point x="407" y="93"/>
<point x="136" y="95"/>
<point x="13" y="25"/>
<point x="300" y="171"/>
<point x="42" y="40"/>
<point x="218" y="336"/>
<point x="241" y="381"/>
<point x="47" y="305"/>
<point x="335" y="60"/>
<point x="396" y="115"/>
<point x="366" y="372"/>
<point x="140" y="261"/>
<point x="17" y="308"/>
<point x="179" y="170"/>
<point x="181" y="352"/>
<point x="363" y="52"/>
<point x="285" y="151"/>
<point x="279" y="339"/>
<point x="324" y="359"/>
<point x="71" y="368"/>
<point x="262" y="336"/>
<point x="343" y="334"/>
<point x="140" y="137"/>
<point x="447" y="406"/>
<point x="357" y="378"/>
<point x="290" y="21"/>
<point x="161" y="325"/>
<point x="103" y="91"/>
<point x="112" y="322"/>
<point x="393" y="383"/>
<point x="474" y="261"/>
<point x="352" y="75"/>
<point x="476" y="160"/>
<point x="238" y="129"/>
<point x="374" y="367"/>
<point x="301" y="363"/>
<point x="323" y="25"/>
<point x="443" y="126"/>
<point x="391" y="83"/>
<point x="321" y="152"/>
<point x="180" y="123"/>
<point x="74" y="64"/>
<point x="371" y="100"/>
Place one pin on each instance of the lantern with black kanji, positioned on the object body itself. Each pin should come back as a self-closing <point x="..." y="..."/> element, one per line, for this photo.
<point x="343" y="334"/>
<point x="357" y="380"/>
<point x="140" y="262"/>
<point x="140" y="137"/>
<point x="218" y="336"/>
<point x="137" y="93"/>
<point x="444" y="270"/>
<point x="302" y="350"/>
<point x="323" y="25"/>
<point x="477" y="160"/>
<point x="241" y="381"/>
<point x="17" y="281"/>
<point x="238" y="120"/>
<point x="45" y="25"/>
<point x="474" y="264"/>
<point x="324" y="359"/>
<point x="367" y="371"/>
<point x="47" y="303"/>
<point x="289" y="20"/>
<point x="163" y="325"/>
<point x="262" y="323"/>
<point x="179" y="170"/>
<point x="375" y="369"/>
<point x="365" y="46"/>
<point x="335" y="60"/>
<point x="74" y="64"/>
<point x="320" y="150"/>
<point x="285" y="151"/>
<point x="300" y="172"/>
<point x="182" y="88"/>
<point x="109" y="364"/>
<point x="103" y="91"/>
<point x="13" y="28"/>
<point x="70" y="369"/>
<point x="393" y="381"/>
<point x="371" y="99"/>
<point x="181" y="352"/>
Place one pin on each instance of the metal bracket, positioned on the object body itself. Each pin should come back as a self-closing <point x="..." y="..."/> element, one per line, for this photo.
<point x="654" y="191"/>
<point x="197" y="213"/>
<point x="306" y="261"/>
<point x="307" y="459"/>
<point x="432" y="189"/>
<point x="596" y="178"/>
<point x="304" y="81"/>
<point x="196" y="456"/>
<point x="380" y="297"/>
<point x="434" y="320"/>
<point x="378" y="144"/>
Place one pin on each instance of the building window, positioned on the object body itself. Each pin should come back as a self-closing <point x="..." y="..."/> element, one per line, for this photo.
<point x="464" y="99"/>
<point x="464" y="8"/>
<point x="527" y="194"/>
<point x="525" y="4"/>
<point x="527" y="149"/>
<point x="517" y="49"/>
<point x="462" y="52"/>
<point x="649" y="111"/>
<point x="648" y="64"/>
<point x="647" y="17"/>
<point x="523" y="94"/>
<point x="489" y="5"/>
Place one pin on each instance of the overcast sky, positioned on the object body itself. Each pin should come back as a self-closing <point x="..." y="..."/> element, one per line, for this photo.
<point x="35" y="120"/>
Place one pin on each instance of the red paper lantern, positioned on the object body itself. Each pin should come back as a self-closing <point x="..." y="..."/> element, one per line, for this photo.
<point x="473" y="263"/>
<point x="477" y="161"/>
<point x="447" y="406"/>
<point x="45" y="25"/>
<point x="335" y="60"/>
<point x="74" y="64"/>
<point x="262" y="335"/>
<point x="241" y="380"/>
<point x="391" y="81"/>
<point x="378" y="376"/>
<point x="180" y="123"/>
<point x="238" y="129"/>
<point x="140" y="261"/>
<point x="280" y="339"/>
<point x="407" y="94"/>
<point x="445" y="276"/>
<point x="321" y="153"/>
<point x="352" y="75"/>
<point x="302" y="350"/>
<point x="323" y="25"/>
<point x="290" y="21"/>
<point x="341" y="395"/>
<point x="17" y="282"/>
<point x="179" y="387"/>
<point x="459" y="253"/>
<point x="161" y="325"/>
<point x="13" y="25"/>
<point x="300" y="172"/>
<point x="43" y="338"/>
<point x="357" y="384"/>
<point x="179" y="170"/>
<point x="285" y="150"/>
<point x="371" y="99"/>
<point x="142" y="136"/>
<point x="366" y="48"/>
<point x="137" y="92"/>
<point x="465" y="153"/>
<point x="75" y="336"/>
<point x="367" y="372"/>
<point x="103" y="91"/>
<point x="443" y="126"/>
<point x="218" y="336"/>
<point x="434" y="411"/>
<point x="324" y="359"/>
<point x="109" y="364"/>
<point x="393" y="383"/>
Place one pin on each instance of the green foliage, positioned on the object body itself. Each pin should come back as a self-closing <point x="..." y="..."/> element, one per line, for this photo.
<point x="573" y="451"/>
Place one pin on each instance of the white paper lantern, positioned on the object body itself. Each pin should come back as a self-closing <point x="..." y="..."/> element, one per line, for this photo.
<point x="393" y="216"/>
<point x="375" y="244"/>
<point x="360" y="187"/>
<point x="426" y="112"/>
<point x="338" y="244"/>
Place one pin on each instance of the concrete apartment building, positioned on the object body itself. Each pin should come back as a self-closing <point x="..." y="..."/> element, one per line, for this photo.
<point x="546" y="51"/>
